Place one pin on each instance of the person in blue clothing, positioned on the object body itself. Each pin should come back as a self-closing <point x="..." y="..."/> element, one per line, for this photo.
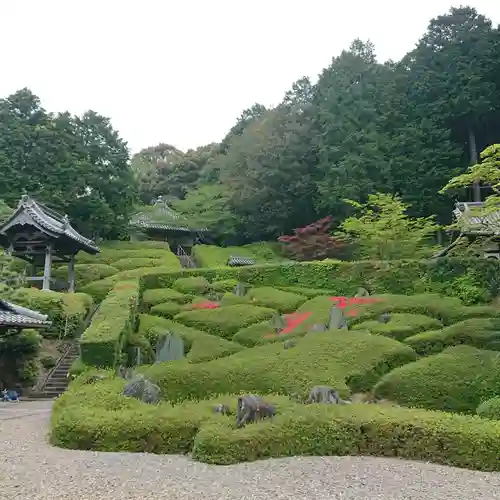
<point x="10" y="395"/>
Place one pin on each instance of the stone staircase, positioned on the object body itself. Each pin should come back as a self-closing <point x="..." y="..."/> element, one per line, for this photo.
<point x="58" y="380"/>
<point x="185" y="260"/>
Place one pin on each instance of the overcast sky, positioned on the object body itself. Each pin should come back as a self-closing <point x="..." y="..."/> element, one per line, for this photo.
<point x="182" y="71"/>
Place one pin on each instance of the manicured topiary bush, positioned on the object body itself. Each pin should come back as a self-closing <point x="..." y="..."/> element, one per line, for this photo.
<point x="196" y="285"/>
<point x="85" y="273"/>
<point x="355" y="361"/>
<point x="490" y="408"/>
<point x="224" y="321"/>
<point x="115" y="423"/>
<point x="477" y="332"/>
<point x="67" y="311"/>
<point x="199" y="346"/>
<point x="160" y="295"/>
<point x="456" y="380"/>
<point x="284" y="302"/>
<point x="400" y="325"/>
<point x="102" y="342"/>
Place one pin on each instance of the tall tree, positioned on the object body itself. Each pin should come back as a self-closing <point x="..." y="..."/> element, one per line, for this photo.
<point x="452" y="71"/>
<point x="78" y="165"/>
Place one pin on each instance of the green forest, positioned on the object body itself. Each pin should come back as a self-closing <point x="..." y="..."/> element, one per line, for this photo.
<point x="365" y="128"/>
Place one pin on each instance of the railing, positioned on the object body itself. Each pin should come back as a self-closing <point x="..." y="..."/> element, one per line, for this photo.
<point x="185" y="259"/>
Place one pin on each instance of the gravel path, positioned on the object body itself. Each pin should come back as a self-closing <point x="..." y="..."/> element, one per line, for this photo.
<point x="30" y="469"/>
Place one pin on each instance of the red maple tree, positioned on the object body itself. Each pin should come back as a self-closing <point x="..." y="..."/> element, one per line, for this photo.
<point x="312" y="242"/>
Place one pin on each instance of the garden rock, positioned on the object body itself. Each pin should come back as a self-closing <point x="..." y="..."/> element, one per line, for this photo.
<point x="142" y="389"/>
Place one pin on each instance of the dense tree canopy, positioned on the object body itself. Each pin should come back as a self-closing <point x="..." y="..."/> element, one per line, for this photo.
<point x="401" y="129"/>
<point x="76" y="164"/>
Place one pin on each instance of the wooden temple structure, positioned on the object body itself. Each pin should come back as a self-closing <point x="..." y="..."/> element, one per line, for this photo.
<point x="41" y="236"/>
<point x="160" y="222"/>
<point x="472" y="226"/>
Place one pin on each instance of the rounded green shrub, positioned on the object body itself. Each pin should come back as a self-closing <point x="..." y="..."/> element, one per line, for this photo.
<point x="490" y="408"/>
<point x="224" y="285"/>
<point x="167" y="309"/>
<point x="224" y="321"/>
<point x="400" y="326"/>
<point x="456" y="380"/>
<point x="199" y="346"/>
<point x="229" y="299"/>
<point x="284" y="302"/>
<point x="160" y="295"/>
<point x="197" y="285"/>
<point x="477" y="332"/>
<point x="85" y="273"/>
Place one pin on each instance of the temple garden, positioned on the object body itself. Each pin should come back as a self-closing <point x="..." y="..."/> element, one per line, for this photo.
<point x="410" y="345"/>
<point x="411" y="348"/>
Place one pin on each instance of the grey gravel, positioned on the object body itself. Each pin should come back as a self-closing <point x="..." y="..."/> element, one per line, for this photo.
<point x="30" y="469"/>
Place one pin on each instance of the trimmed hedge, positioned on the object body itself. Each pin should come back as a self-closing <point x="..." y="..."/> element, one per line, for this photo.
<point x="458" y="380"/>
<point x="99" y="289"/>
<point x="310" y="293"/>
<point x="199" y="346"/>
<point x="354" y="362"/>
<point x="85" y="273"/>
<point x="196" y="285"/>
<point x="447" y="309"/>
<point x="483" y="333"/>
<point x="397" y="277"/>
<point x="284" y="302"/>
<point x="213" y="256"/>
<point x="224" y="321"/>
<point x="138" y="262"/>
<point x="102" y="342"/>
<point x="115" y="423"/>
<point x="323" y="430"/>
<point x="160" y="295"/>
<point x="111" y="255"/>
<point x="67" y="311"/>
<point x="400" y="326"/>
<point x="490" y="408"/>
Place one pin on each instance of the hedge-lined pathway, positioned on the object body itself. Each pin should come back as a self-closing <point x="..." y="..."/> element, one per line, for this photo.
<point x="30" y="469"/>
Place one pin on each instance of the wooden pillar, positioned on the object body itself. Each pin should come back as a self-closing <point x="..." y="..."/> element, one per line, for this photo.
<point x="71" y="274"/>
<point x="47" y="268"/>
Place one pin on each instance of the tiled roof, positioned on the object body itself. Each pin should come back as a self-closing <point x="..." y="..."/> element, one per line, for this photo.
<point x="240" y="261"/>
<point x="466" y="214"/>
<point x="161" y="216"/>
<point x="17" y="316"/>
<point x="51" y="221"/>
